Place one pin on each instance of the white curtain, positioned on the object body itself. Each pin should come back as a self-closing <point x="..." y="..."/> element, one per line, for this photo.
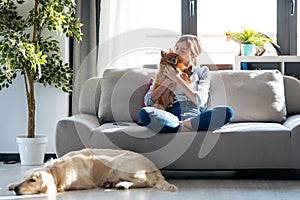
<point x="114" y="18"/>
<point x="127" y="39"/>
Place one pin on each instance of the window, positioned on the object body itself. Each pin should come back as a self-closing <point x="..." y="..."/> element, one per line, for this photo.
<point x="146" y="27"/>
<point x="287" y="26"/>
<point x="216" y="17"/>
<point x="165" y="20"/>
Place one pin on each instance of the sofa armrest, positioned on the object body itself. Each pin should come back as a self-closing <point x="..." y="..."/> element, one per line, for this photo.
<point x="293" y="123"/>
<point x="292" y="94"/>
<point x="74" y="133"/>
<point x="90" y="96"/>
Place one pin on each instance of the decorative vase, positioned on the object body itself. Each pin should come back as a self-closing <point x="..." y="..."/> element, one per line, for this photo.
<point x="248" y="49"/>
<point x="32" y="150"/>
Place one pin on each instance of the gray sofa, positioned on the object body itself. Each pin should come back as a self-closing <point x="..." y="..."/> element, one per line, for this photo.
<point x="264" y="134"/>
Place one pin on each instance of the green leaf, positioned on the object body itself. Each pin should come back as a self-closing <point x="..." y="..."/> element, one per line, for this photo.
<point x="248" y="36"/>
<point x="41" y="57"/>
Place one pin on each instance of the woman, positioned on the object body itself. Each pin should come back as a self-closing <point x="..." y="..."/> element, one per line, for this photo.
<point x="189" y="109"/>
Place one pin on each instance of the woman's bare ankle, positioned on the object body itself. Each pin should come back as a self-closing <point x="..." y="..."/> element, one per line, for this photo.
<point x="186" y="125"/>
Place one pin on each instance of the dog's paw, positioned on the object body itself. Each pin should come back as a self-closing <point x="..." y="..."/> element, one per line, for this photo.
<point x="124" y="185"/>
<point x="107" y="184"/>
<point x="173" y="188"/>
<point x="166" y="186"/>
<point x="11" y="186"/>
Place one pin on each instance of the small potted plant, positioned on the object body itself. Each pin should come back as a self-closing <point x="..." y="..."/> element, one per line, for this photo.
<point x="252" y="42"/>
<point x="27" y="49"/>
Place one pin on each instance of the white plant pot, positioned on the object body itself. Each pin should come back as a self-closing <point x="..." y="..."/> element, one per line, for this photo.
<point x="32" y="150"/>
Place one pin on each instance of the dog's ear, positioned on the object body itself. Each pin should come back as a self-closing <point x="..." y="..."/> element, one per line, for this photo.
<point x="163" y="53"/>
<point x="48" y="183"/>
<point x="59" y="178"/>
<point x="44" y="188"/>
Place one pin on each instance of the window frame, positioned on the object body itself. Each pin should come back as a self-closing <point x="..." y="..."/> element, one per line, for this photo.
<point x="285" y="21"/>
<point x="189" y="17"/>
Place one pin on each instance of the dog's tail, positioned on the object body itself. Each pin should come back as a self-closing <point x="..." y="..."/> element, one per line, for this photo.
<point x="162" y="184"/>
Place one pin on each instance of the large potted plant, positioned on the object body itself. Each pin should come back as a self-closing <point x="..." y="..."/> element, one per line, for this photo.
<point x="251" y="42"/>
<point x="27" y="49"/>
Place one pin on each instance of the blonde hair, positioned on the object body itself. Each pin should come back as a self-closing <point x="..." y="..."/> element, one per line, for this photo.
<point x="194" y="44"/>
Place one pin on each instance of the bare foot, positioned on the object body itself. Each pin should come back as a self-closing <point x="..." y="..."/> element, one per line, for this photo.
<point x="186" y="125"/>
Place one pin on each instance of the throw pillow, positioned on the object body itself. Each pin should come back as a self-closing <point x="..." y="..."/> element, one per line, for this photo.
<point x="122" y="93"/>
<point x="254" y="95"/>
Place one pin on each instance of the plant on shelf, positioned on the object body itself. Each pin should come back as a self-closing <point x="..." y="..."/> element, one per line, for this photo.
<point x="28" y="49"/>
<point x="248" y="36"/>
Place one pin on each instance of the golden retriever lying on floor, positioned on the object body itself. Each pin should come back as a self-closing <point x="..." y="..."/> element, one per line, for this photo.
<point x="90" y="168"/>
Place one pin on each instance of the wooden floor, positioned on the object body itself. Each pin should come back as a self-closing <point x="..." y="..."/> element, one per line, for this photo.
<point x="208" y="185"/>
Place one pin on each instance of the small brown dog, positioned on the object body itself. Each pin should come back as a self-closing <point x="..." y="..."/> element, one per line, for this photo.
<point x="172" y="59"/>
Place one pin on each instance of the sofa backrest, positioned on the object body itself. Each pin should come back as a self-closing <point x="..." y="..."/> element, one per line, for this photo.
<point x="118" y="95"/>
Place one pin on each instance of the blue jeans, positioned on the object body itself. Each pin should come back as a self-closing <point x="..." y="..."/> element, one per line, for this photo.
<point x="167" y="121"/>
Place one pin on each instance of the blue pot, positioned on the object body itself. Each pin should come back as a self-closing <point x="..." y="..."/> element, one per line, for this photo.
<point x="248" y="50"/>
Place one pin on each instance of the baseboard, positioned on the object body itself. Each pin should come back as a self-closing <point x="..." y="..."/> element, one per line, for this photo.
<point x="6" y="157"/>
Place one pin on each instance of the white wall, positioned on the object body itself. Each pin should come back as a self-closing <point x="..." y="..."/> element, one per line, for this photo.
<point x="51" y="105"/>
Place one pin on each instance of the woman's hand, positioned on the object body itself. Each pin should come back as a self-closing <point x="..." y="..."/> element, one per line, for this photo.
<point x="167" y="82"/>
<point x="171" y="73"/>
<point x="174" y="76"/>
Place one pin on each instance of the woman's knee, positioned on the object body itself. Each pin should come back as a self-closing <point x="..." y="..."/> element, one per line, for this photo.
<point x="212" y="119"/>
<point x="158" y="120"/>
<point x="225" y="111"/>
<point x="144" y="117"/>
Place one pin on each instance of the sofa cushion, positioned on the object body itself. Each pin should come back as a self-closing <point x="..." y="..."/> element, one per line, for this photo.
<point x="256" y="95"/>
<point x="240" y="146"/>
<point x="122" y="93"/>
